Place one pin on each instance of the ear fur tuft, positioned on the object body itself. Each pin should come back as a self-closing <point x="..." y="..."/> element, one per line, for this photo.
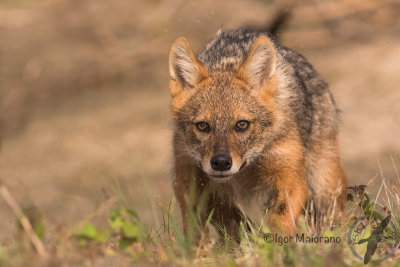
<point x="183" y="64"/>
<point x="260" y="64"/>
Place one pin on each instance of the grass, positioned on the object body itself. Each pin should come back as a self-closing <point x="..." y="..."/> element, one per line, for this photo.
<point x="125" y="239"/>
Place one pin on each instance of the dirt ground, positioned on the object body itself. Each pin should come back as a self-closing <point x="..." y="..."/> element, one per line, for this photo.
<point x="85" y="98"/>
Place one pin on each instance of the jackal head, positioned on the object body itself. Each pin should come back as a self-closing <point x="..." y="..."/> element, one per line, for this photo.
<point x="223" y="116"/>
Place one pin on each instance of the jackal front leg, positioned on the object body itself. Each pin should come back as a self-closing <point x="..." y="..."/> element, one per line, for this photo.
<point x="191" y="192"/>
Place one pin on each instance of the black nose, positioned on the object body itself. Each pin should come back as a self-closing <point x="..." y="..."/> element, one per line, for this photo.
<point x="221" y="162"/>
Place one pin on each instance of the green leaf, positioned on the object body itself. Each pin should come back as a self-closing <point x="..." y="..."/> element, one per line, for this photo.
<point x="365" y="204"/>
<point x="2" y="254"/>
<point x="350" y="197"/>
<point x="377" y="215"/>
<point x="102" y="236"/>
<point x="88" y="231"/>
<point x="40" y="230"/>
<point x="114" y="214"/>
<point x="367" y="232"/>
<point x="116" y="224"/>
<point x="130" y="230"/>
<point x="125" y="243"/>
<point x="133" y="214"/>
<point x="290" y="256"/>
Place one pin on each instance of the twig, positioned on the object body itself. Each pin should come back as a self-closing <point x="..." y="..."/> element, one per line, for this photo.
<point x="26" y="225"/>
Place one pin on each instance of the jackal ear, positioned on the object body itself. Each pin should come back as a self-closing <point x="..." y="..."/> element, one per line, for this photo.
<point x="184" y="66"/>
<point x="260" y="64"/>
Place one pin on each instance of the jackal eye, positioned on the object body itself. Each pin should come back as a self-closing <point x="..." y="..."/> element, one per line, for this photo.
<point x="242" y="125"/>
<point x="203" y="126"/>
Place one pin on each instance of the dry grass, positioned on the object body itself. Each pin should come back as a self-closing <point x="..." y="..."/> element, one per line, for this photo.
<point x="127" y="240"/>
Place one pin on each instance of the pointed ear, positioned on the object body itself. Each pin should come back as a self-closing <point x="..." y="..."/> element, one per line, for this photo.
<point x="184" y="67"/>
<point x="260" y="63"/>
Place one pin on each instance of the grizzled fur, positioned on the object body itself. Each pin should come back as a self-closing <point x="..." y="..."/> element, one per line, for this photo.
<point x="288" y="153"/>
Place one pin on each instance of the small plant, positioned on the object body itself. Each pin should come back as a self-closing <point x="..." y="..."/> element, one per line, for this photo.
<point x="359" y="196"/>
<point x="89" y="233"/>
<point x="125" y="224"/>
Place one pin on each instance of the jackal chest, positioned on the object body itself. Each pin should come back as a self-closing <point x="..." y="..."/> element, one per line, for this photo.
<point x="252" y="199"/>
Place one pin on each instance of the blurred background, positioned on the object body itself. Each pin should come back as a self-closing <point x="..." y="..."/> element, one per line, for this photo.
<point x="85" y="100"/>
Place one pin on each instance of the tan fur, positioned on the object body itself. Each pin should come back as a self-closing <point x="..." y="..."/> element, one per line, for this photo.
<point x="289" y="176"/>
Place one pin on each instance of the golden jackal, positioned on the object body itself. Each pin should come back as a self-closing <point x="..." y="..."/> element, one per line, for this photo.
<point x="253" y="123"/>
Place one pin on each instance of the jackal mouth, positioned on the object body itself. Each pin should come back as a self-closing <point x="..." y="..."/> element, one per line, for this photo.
<point x="220" y="176"/>
<point x="224" y="176"/>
